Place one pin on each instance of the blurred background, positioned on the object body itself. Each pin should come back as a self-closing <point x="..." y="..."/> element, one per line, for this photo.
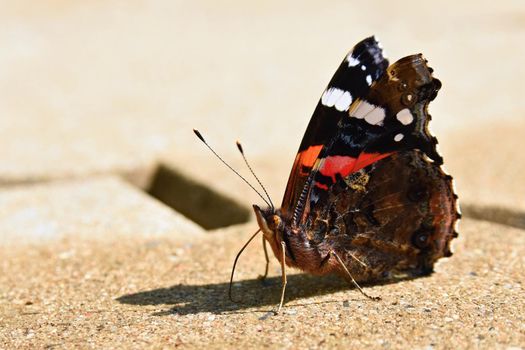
<point x="115" y="87"/>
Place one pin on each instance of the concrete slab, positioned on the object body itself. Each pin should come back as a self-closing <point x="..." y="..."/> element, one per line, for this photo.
<point x="91" y="209"/>
<point x="150" y="294"/>
<point x="489" y="169"/>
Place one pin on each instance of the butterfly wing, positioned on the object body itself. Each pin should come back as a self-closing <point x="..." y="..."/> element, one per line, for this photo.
<point x="392" y="117"/>
<point x="395" y="215"/>
<point x="377" y="186"/>
<point x="360" y="68"/>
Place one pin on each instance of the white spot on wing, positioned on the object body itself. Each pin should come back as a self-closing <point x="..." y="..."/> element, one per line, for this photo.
<point x="363" y="67"/>
<point x="352" y="62"/>
<point x="372" y="114"/>
<point x="334" y="97"/>
<point x="404" y="116"/>
<point x="398" y="137"/>
<point x="369" y="79"/>
<point x="344" y="102"/>
<point x="324" y="98"/>
<point x="330" y="96"/>
<point x="376" y="117"/>
<point x="380" y="45"/>
<point x="362" y="108"/>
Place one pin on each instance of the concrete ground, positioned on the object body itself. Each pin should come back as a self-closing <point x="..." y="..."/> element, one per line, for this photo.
<point x="118" y="228"/>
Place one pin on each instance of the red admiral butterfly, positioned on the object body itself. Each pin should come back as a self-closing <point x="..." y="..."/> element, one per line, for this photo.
<point x="367" y="197"/>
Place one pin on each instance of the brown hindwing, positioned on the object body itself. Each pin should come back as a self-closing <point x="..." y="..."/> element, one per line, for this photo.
<point x="396" y="215"/>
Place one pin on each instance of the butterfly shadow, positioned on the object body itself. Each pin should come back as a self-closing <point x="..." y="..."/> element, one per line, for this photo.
<point x="213" y="298"/>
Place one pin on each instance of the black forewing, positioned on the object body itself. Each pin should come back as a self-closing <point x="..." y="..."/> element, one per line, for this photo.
<point x="361" y="67"/>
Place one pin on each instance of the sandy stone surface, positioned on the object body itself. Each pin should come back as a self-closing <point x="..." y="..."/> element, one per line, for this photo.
<point x="92" y="208"/>
<point x="488" y="166"/>
<point x="160" y="292"/>
<point x="97" y="103"/>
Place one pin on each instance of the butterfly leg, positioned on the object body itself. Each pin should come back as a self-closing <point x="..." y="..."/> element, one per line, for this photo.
<point x="263" y="277"/>
<point x="283" y="270"/>
<point x="340" y="261"/>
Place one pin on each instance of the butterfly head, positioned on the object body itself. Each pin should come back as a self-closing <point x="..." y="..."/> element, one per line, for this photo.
<point x="275" y="230"/>
<point x="269" y="221"/>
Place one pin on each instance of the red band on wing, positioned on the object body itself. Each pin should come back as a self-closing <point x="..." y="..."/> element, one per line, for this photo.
<point x="321" y="186"/>
<point x="345" y="165"/>
<point x="365" y="159"/>
<point x="337" y="165"/>
<point x="302" y="165"/>
<point x="307" y="157"/>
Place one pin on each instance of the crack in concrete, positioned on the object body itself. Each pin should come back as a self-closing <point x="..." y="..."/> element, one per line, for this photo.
<point x="197" y="201"/>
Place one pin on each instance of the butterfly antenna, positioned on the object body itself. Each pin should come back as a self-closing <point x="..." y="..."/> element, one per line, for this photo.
<point x="239" y="146"/>
<point x="228" y="165"/>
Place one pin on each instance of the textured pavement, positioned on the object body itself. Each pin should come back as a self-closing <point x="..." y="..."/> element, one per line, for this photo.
<point x="161" y="292"/>
<point x="104" y="189"/>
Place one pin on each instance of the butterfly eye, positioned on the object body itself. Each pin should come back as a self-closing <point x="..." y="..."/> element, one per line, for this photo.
<point x="276" y="221"/>
<point x="421" y="239"/>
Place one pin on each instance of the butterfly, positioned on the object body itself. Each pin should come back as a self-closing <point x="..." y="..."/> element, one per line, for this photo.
<point x="367" y="197"/>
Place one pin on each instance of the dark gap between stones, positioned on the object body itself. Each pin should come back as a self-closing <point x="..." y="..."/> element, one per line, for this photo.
<point x="206" y="207"/>
<point x="495" y="214"/>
